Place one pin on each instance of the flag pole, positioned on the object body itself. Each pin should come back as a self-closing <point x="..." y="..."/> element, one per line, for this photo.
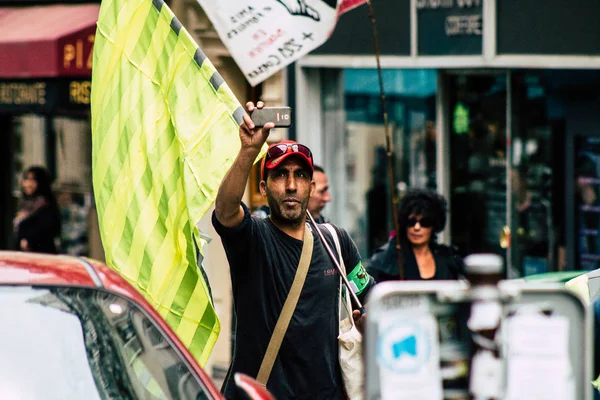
<point x="388" y="140"/>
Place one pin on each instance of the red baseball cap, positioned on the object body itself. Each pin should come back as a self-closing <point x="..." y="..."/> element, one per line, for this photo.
<point x="278" y="152"/>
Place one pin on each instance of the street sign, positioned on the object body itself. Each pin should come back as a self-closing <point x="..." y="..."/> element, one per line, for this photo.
<point x="449" y="27"/>
<point x="418" y="344"/>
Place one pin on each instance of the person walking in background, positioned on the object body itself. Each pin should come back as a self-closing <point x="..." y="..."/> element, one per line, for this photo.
<point x="37" y="223"/>
<point x="74" y="208"/>
<point x="421" y="216"/>
<point x="320" y="196"/>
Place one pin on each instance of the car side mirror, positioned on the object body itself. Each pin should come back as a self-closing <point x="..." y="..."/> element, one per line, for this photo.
<point x="249" y="389"/>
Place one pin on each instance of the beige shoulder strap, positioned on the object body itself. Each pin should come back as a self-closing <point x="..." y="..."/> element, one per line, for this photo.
<point x="288" y="309"/>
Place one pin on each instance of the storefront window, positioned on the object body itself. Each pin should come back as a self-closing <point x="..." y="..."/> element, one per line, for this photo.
<point x="509" y="153"/>
<point x="535" y="214"/>
<point x="410" y="100"/>
<point x="555" y="129"/>
<point x="522" y="146"/>
<point x="587" y="203"/>
<point x="478" y="159"/>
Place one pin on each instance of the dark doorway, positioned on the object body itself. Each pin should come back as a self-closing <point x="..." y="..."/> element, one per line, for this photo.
<point x="6" y="175"/>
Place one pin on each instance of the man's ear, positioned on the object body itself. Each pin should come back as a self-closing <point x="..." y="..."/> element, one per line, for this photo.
<point x="263" y="188"/>
<point x="313" y="187"/>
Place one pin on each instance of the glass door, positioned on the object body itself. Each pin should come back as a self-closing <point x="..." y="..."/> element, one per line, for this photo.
<point x="507" y="140"/>
<point x="478" y="187"/>
<point x="536" y="173"/>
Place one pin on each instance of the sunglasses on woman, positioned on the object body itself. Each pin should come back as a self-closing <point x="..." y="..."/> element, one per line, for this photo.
<point x="281" y="149"/>
<point x="424" y="222"/>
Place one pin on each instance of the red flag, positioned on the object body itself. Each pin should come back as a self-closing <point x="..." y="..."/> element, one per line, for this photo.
<point x="348" y="5"/>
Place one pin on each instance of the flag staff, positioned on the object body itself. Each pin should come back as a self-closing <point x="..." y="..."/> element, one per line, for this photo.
<point x="388" y="140"/>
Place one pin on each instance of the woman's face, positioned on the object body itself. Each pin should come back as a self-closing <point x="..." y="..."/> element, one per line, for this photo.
<point x="29" y="184"/>
<point x="419" y="229"/>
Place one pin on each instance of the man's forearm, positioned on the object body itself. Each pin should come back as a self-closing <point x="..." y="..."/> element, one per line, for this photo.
<point x="229" y="197"/>
<point x="228" y="209"/>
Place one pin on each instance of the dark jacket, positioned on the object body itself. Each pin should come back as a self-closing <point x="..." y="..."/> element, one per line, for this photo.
<point x="40" y="229"/>
<point x="383" y="265"/>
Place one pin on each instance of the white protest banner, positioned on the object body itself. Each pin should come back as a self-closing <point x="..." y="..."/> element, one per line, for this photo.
<point x="264" y="36"/>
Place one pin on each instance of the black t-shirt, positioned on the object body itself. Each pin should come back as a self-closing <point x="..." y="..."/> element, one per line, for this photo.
<point x="263" y="262"/>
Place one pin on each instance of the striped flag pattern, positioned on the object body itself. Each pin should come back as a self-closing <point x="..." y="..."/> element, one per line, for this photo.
<point x="164" y="133"/>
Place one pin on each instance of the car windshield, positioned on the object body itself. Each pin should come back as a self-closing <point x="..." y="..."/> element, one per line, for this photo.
<point x="76" y="343"/>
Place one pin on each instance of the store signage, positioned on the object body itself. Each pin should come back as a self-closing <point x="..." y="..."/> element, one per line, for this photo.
<point x="44" y="95"/>
<point x="456" y="24"/>
<point x="23" y="93"/>
<point x="79" y="92"/>
<point x="76" y="53"/>
<point x="449" y="27"/>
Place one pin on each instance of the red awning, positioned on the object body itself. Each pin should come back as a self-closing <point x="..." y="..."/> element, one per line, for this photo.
<point x="47" y="41"/>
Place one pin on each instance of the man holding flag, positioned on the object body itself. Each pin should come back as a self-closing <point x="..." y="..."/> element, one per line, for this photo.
<point x="164" y="133"/>
<point x="265" y="255"/>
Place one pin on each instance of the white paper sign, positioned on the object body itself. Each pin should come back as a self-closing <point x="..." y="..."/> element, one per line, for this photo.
<point x="538" y="358"/>
<point x="264" y="36"/>
<point x="408" y="356"/>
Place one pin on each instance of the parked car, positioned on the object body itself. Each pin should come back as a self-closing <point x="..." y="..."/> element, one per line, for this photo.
<point x="559" y="276"/>
<point x="74" y="329"/>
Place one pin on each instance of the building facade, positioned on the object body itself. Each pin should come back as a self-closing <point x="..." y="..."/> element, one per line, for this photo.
<point x="494" y="103"/>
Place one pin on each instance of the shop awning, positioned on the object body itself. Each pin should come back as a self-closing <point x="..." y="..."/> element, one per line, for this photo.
<point x="47" y="41"/>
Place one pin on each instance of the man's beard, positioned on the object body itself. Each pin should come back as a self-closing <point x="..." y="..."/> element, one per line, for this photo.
<point x="280" y="212"/>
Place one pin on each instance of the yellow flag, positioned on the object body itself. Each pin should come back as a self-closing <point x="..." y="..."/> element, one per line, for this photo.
<point x="165" y="131"/>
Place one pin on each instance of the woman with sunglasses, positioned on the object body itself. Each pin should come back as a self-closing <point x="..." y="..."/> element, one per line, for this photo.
<point x="421" y="216"/>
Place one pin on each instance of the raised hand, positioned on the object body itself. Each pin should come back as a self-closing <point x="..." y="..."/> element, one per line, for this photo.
<point x="252" y="136"/>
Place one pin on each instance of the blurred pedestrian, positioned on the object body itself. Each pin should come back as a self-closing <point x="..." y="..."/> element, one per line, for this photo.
<point x="37" y="223"/>
<point x="421" y="216"/>
<point x="320" y="197"/>
<point x="74" y="206"/>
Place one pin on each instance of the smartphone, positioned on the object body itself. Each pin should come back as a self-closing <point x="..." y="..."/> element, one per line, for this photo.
<point x="280" y="116"/>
